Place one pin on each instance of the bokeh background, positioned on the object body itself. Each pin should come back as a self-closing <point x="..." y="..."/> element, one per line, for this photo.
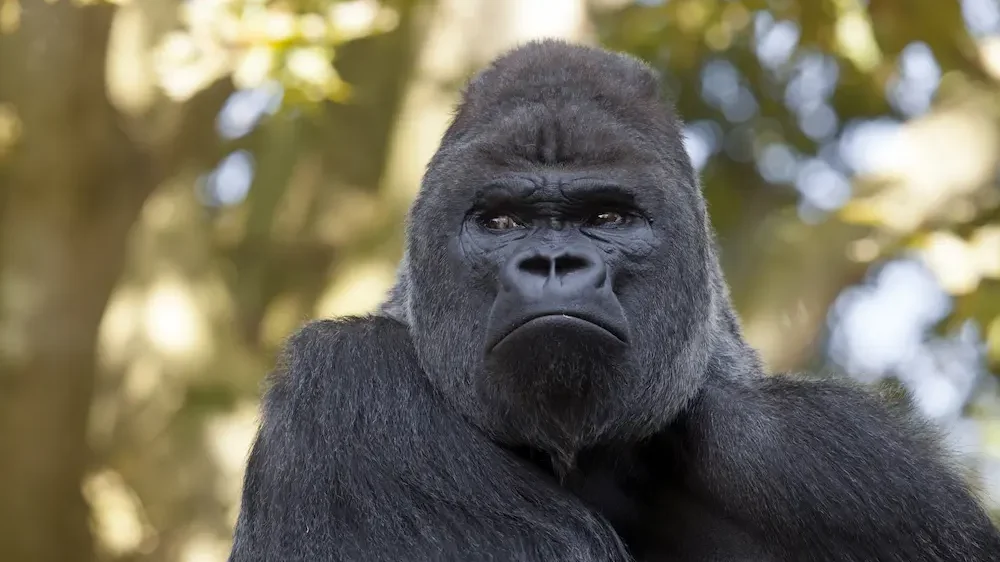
<point x="183" y="183"/>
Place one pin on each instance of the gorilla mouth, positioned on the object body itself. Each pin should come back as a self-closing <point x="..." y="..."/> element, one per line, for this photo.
<point x="576" y="321"/>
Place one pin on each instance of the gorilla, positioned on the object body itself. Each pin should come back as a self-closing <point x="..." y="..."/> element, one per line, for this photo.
<point x="559" y="374"/>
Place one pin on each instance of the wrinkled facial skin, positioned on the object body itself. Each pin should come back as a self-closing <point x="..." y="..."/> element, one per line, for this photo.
<point x="567" y="302"/>
<point x="553" y="242"/>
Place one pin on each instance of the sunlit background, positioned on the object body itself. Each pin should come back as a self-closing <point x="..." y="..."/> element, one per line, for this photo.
<point x="183" y="183"/>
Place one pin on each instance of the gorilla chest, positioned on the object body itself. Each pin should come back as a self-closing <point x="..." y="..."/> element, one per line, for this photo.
<point x="661" y="522"/>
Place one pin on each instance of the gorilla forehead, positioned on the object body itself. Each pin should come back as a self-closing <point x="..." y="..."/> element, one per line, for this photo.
<point x="574" y="134"/>
<point x="552" y="145"/>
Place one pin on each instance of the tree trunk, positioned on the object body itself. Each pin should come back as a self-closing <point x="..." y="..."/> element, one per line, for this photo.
<point x="72" y="187"/>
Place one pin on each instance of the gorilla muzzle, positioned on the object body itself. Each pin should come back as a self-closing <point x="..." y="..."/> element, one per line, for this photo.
<point x="564" y="292"/>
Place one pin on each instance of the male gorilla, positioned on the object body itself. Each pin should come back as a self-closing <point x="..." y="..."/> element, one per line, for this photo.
<point x="559" y="374"/>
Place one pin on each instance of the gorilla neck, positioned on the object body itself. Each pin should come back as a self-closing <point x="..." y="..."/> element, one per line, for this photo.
<point x="615" y="480"/>
<point x="560" y="389"/>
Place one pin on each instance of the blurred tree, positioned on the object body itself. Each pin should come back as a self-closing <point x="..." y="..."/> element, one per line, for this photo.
<point x="774" y="92"/>
<point x="89" y="131"/>
<point x="73" y="185"/>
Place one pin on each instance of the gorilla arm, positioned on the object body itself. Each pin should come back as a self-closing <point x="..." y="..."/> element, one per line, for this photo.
<point x="825" y="472"/>
<point x="358" y="459"/>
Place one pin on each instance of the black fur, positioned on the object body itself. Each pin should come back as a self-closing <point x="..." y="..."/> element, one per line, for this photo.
<point x="393" y="437"/>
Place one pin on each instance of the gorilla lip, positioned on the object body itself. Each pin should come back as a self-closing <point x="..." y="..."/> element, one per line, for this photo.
<point x="573" y="317"/>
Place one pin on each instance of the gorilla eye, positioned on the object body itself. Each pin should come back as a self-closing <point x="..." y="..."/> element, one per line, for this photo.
<point x="501" y="222"/>
<point x="607" y="218"/>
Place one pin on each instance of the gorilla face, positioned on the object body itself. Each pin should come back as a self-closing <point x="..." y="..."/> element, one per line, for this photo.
<point x="557" y="267"/>
<point x="554" y="244"/>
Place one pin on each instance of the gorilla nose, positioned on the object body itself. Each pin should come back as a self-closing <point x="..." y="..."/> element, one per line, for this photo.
<point x="548" y="291"/>
<point x="556" y="271"/>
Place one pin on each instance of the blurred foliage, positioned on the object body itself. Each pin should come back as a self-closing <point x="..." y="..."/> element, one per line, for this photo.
<point x="183" y="183"/>
<point x="781" y="91"/>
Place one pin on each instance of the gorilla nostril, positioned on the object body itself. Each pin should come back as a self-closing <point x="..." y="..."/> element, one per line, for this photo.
<point x="570" y="269"/>
<point x="566" y="264"/>
<point x="554" y="266"/>
<point x="536" y="265"/>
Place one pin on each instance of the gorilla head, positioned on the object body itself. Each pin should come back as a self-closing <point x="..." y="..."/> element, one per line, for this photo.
<point x="560" y="281"/>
